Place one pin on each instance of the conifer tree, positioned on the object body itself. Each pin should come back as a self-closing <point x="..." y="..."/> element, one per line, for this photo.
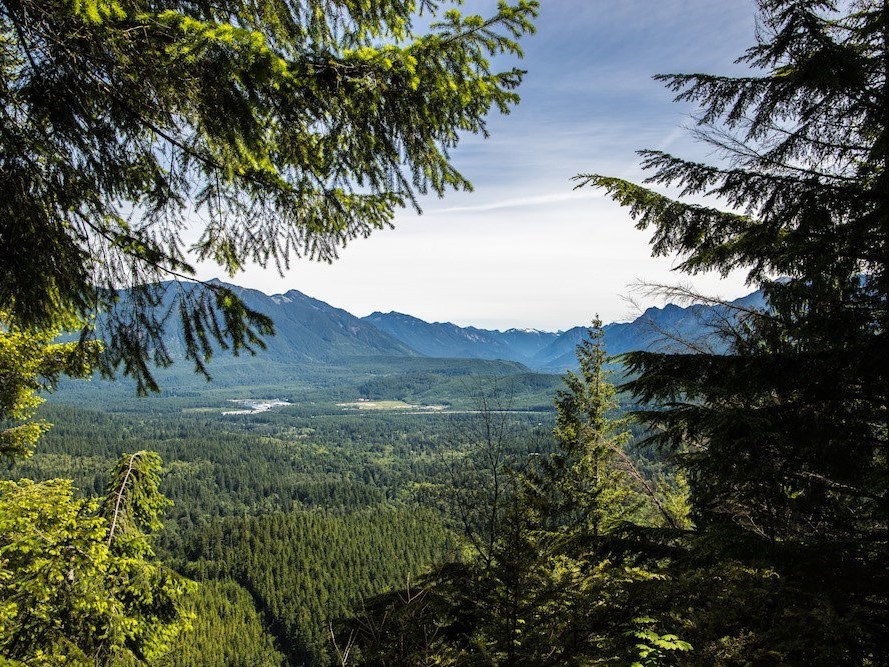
<point x="580" y="489"/>
<point x="266" y="131"/>
<point x="76" y="588"/>
<point x="29" y="362"/>
<point x="553" y="588"/>
<point x="73" y="590"/>
<point x="784" y="438"/>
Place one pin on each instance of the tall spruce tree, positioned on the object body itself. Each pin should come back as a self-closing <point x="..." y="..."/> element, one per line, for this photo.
<point x="581" y="499"/>
<point x="581" y="489"/>
<point x="134" y="131"/>
<point x="784" y="439"/>
<point x="556" y="586"/>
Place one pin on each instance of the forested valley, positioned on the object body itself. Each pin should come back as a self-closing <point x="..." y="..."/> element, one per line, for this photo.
<point x="293" y="520"/>
<point x="288" y="520"/>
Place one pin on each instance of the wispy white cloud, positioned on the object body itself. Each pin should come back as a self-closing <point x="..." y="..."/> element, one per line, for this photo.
<point x="522" y="202"/>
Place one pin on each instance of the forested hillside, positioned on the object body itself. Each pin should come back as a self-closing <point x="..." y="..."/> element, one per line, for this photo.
<point x="305" y="570"/>
<point x="227" y="630"/>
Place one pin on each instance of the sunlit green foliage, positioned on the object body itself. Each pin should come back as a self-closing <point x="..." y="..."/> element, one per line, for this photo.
<point x="78" y="584"/>
<point x="281" y="129"/>
<point x="74" y="592"/>
<point x="30" y="362"/>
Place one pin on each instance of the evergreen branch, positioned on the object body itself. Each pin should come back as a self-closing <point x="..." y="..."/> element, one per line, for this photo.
<point x="120" y="494"/>
<point x="631" y="468"/>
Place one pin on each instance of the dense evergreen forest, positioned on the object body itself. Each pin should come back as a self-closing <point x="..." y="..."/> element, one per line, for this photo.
<point x="287" y="519"/>
<point x="227" y="630"/>
<point x="307" y="569"/>
<point x="291" y="521"/>
<point x="276" y="461"/>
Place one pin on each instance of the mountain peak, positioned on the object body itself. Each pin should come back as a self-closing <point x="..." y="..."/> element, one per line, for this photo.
<point x="310" y="329"/>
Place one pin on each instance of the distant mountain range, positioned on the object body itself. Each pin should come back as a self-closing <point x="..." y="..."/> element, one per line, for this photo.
<point x="443" y="339"/>
<point x="657" y="328"/>
<point x="310" y="331"/>
<point x="324" y="352"/>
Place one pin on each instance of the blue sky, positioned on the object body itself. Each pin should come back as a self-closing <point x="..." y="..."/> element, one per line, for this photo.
<point x="524" y="249"/>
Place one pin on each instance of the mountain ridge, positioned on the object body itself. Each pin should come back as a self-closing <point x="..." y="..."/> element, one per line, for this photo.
<point x="660" y="328"/>
<point x="311" y="331"/>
